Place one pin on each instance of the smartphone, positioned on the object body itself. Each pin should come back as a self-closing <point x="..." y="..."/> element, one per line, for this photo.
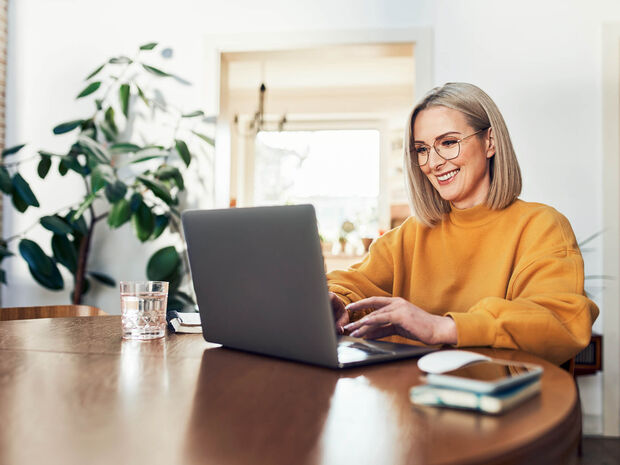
<point x="487" y="376"/>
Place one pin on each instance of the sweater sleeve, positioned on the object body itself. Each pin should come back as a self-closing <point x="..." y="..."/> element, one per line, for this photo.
<point x="545" y="313"/>
<point x="373" y="276"/>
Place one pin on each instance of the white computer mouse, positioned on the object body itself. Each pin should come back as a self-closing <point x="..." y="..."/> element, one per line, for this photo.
<point x="446" y="360"/>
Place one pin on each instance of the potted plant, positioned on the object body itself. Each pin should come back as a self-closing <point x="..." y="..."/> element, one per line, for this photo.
<point x="129" y="175"/>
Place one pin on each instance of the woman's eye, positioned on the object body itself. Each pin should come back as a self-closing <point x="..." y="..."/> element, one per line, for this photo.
<point x="449" y="142"/>
<point x="421" y="150"/>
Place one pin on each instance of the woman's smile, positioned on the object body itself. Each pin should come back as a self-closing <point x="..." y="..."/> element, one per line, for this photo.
<point x="447" y="178"/>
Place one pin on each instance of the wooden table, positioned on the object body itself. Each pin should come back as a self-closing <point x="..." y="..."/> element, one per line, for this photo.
<point x="73" y="392"/>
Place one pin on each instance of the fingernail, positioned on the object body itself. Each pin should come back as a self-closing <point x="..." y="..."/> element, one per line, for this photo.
<point x="348" y="326"/>
<point x="354" y="333"/>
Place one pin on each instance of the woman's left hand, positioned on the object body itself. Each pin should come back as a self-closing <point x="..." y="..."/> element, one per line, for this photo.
<point x="395" y="315"/>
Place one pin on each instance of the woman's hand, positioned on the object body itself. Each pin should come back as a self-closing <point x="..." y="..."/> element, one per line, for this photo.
<point x="395" y="315"/>
<point x="341" y="316"/>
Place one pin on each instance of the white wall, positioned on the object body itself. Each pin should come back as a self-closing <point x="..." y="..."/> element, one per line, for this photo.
<point x="540" y="61"/>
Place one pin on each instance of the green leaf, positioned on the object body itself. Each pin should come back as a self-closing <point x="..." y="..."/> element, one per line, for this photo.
<point x="122" y="60"/>
<point x="108" y="132"/>
<point x="146" y="158"/>
<point x="94" y="73"/>
<point x="109" y="119"/>
<point x="207" y="139"/>
<point x="6" y="185"/>
<point x="21" y="186"/>
<point x="82" y="208"/>
<point x="124" y="147"/>
<point x="44" y="165"/>
<point x="157" y="188"/>
<point x="19" y="203"/>
<point x="166" y="172"/>
<point x="161" y="223"/>
<point x="173" y="303"/>
<point x="193" y="114"/>
<point x="163" y="264"/>
<point x="149" y="46"/>
<point x="89" y="89"/>
<point x="4" y="252"/>
<point x="143" y="222"/>
<point x="115" y="191"/>
<point x="64" y="252"/>
<point x="134" y="201"/>
<point x="94" y="149"/>
<point x="142" y="96"/>
<point x="56" y="224"/>
<point x="100" y="176"/>
<point x="156" y="71"/>
<point x="12" y="150"/>
<point x="42" y="268"/>
<point x="63" y="167"/>
<point x="70" y="162"/>
<point x="68" y="126"/>
<point x="119" y="214"/>
<point x="123" y="93"/>
<point x="79" y="225"/>
<point x="185" y="297"/>
<point x="103" y="278"/>
<point x="183" y="151"/>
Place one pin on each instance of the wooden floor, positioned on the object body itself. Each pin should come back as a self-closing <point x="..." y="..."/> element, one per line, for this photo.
<point x="600" y="451"/>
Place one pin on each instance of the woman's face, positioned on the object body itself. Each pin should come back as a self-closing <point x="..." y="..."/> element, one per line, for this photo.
<point x="464" y="181"/>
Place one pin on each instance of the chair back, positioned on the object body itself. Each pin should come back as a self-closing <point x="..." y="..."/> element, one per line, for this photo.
<point x="48" y="311"/>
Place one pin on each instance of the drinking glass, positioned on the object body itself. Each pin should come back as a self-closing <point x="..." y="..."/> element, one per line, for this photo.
<point x="143" y="309"/>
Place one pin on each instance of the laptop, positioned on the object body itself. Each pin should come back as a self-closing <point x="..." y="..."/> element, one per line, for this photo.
<point x="260" y="284"/>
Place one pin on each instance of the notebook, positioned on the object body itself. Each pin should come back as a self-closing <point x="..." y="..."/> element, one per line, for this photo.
<point x="260" y="284"/>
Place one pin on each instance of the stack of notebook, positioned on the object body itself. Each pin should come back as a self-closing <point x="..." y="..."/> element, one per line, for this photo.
<point x="494" y="403"/>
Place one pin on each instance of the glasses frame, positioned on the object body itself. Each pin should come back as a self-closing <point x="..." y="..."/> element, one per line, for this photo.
<point x="414" y="155"/>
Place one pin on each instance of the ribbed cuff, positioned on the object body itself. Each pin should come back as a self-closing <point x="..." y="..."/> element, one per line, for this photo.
<point x="474" y="329"/>
<point x="344" y="294"/>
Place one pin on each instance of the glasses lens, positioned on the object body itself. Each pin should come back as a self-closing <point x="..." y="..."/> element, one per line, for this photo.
<point x="447" y="147"/>
<point x="420" y="154"/>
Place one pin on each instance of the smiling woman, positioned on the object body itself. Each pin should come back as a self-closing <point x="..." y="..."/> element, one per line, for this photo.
<point x="476" y="266"/>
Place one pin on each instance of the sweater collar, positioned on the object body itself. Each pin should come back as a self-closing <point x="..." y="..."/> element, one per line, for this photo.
<point x="472" y="217"/>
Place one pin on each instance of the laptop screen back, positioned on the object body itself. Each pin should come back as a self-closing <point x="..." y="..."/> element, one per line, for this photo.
<point x="259" y="279"/>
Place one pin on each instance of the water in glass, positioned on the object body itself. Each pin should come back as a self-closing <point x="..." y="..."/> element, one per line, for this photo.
<point x="144" y="314"/>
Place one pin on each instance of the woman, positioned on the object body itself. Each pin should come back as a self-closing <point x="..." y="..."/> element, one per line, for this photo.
<point x="476" y="266"/>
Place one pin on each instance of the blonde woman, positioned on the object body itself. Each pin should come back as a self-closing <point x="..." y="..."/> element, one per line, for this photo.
<point x="476" y="266"/>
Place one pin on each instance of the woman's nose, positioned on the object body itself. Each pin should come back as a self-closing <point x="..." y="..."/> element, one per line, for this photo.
<point x="434" y="159"/>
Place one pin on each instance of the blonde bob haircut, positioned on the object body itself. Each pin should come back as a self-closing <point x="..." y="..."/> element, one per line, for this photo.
<point x="481" y="113"/>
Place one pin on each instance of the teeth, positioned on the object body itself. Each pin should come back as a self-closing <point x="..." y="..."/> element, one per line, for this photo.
<point x="447" y="175"/>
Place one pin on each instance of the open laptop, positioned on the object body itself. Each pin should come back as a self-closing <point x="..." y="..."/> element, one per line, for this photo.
<point x="260" y="283"/>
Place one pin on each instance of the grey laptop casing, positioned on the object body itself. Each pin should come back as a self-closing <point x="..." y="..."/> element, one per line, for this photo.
<point x="259" y="279"/>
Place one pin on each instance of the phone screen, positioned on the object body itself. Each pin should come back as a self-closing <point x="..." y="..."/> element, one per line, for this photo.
<point x="492" y="371"/>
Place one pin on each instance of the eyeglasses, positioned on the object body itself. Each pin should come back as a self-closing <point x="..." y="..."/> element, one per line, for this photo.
<point x="447" y="147"/>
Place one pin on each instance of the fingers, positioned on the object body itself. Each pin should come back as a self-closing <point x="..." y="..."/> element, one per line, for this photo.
<point x="379" y="317"/>
<point x="341" y="316"/>
<point x="375" y="332"/>
<point x="370" y="302"/>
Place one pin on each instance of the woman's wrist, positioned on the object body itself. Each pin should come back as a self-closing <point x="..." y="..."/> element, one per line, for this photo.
<point x="445" y="331"/>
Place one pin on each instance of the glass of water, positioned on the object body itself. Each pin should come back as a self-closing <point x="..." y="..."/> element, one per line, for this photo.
<point x="143" y="309"/>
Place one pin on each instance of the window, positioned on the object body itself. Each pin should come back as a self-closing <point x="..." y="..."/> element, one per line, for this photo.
<point x="337" y="171"/>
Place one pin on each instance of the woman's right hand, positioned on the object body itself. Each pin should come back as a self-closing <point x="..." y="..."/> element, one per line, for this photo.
<point x="341" y="316"/>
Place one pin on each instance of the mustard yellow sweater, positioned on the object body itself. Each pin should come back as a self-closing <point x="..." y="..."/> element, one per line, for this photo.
<point x="510" y="278"/>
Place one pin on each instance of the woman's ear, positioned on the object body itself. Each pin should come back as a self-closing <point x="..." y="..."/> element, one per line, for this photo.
<point x="490" y="143"/>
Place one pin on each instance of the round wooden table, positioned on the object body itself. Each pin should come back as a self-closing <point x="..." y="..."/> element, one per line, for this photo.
<point x="73" y="392"/>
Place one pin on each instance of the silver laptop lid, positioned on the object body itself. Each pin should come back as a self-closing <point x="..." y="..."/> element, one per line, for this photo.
<point x="260" y="282"/>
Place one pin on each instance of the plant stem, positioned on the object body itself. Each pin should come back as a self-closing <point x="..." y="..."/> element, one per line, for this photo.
<point x="83" y="254"/>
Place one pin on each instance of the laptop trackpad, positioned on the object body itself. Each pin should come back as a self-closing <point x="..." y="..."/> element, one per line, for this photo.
<point x="354" y="349"/>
